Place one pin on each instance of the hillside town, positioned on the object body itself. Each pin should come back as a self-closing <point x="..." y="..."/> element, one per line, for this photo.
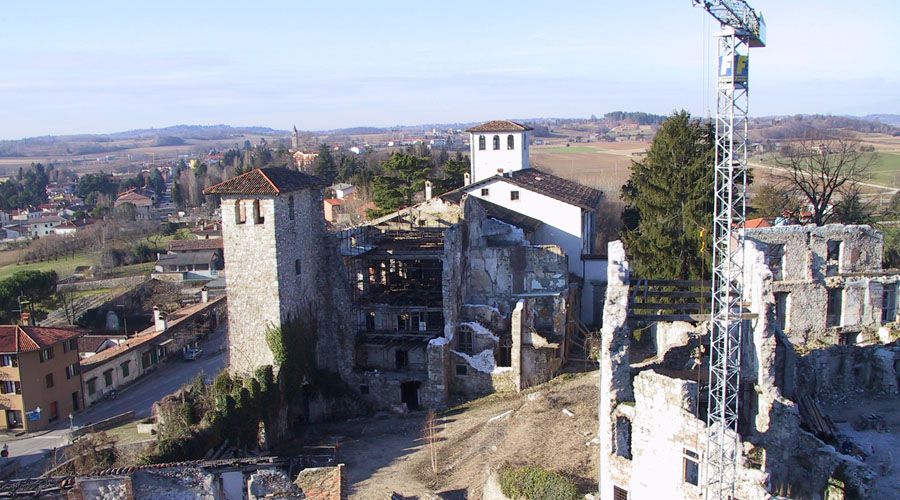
<point x="688" y="300"/>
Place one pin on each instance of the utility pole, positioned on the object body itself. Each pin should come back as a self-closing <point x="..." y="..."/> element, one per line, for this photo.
<point x="742" y="28"/>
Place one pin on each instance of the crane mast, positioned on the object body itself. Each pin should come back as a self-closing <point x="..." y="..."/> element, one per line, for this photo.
<point x="742" y="28"/>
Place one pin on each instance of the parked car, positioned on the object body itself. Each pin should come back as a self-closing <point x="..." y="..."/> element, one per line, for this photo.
<point x="192" y="354"/>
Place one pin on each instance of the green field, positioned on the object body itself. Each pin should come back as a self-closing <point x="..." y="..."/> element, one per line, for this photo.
<point x="885" y="168"/>
<point x="63" y="267"/>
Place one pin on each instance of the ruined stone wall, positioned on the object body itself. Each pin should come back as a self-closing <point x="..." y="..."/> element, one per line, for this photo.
<point x="840" y="370"/>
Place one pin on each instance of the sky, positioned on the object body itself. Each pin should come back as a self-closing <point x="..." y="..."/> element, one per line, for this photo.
<point x="108" y="66"/>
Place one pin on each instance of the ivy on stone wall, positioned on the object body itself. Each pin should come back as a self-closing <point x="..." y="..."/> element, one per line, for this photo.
<point x="293" y="346"/>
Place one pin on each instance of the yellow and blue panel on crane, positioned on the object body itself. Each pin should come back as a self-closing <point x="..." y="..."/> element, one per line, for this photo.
<point x="736" y="67"/>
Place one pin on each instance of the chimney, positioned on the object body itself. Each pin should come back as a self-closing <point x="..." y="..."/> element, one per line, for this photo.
<point x="159" y="319"/>
<point x="467" y="179"/>
<point x="428" y="186"/>
<point x="204" y="295"/>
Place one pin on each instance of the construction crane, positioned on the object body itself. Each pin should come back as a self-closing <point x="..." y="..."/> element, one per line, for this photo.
<point x="742" y="28"/>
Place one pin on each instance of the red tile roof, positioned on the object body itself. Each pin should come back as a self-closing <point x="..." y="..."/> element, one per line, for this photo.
<point x="269" y="181"/>
<point x="334" y="201"/>
<point x="499" y="126"/>
<point x="188" y="245"/>
<point x="15" y="338"/>
<point x="755" y="223"/>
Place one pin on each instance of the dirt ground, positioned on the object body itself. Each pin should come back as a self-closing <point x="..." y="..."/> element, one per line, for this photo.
<point x="387" y="454"/>
<point x="880" y="450"/>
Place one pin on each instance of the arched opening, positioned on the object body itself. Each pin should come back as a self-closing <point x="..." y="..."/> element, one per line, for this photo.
<point x="257" y="214"/>
<point x="510" y="142"/>
<point x="496" y="142"/>
<point x="481" y="144"/>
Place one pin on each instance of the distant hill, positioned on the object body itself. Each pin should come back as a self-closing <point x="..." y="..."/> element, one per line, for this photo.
<point x="884" y="118"/>
<point x="207" y="132"/>
<point x="799" y="126"/>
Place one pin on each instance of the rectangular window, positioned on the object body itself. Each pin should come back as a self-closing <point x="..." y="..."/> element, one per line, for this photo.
<point x="622" y="438"/>
<point x="17" y="387"/>
<point x="7" y="387"/>
<point x="9" y="360"/>
<point x="46" y="354"/>
<point x="833" y="263"/>
<point x="297" y="267"/>
<point x="107" y="377"/>
<point x="240" y="212"/>
<point x="73" y="345"/>
<point x="49" y="380"/>
<point x="619" y="493"/>
<point x="833" y="314"/>
<point x="125" y="370"/>
<point x="781" y="310"/>
<point x="775" y="261"/>
<point x="485" y="192"/>
<point x="513" y="195"/>
<point x="889" y="303"/>
<point x="92" y="386"/>
<point x="462" y="370"/>
<point x="464" y="342"/>
<point x="691" y="469"/>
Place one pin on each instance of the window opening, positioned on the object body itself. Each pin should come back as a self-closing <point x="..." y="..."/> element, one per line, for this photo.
<point x="481" y="143"/>
<point x="775" y="261"/>
<point x="464" y="340"/>
<point x="619" y="493"/>
<point x="781" y="309"/>
<point x="240" y="212"/>
<point x="49" y="380"/>
<point x="401" y="359"/>
<point x="622" y="437"/>
<point x="833" y="314"/>
<point x="462" y="370"/>
<point x="257" y="213"/>
<point x="504" y="352"/>
<point x="291" y="207"/>
<point x="485" y="192"/>
<point x="889" y="303"/>
<point x="691" y="469"/>
<point x="510" y="142"/>
<point x="513" y="195"/>
<point x="496" y="142"/>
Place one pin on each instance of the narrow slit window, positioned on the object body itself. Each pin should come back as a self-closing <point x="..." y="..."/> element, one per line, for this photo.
<point x="481" y="143"/>
<point x="496" y="142"/>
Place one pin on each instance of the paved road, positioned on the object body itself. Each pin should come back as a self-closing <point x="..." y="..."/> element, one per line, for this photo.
<point x="138" y="397"/>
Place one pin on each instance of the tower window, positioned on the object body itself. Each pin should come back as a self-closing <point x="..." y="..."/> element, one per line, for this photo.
<point x="496" y="142"/>
<point x="481" y="145"/>
<point x="297" y="267"/>
<point x="510" y="142"/>
<point x="240" y="212"/>
<point x="257" y="213"/>
<point x="513" y="195"/>
<point x="291" y="207"/>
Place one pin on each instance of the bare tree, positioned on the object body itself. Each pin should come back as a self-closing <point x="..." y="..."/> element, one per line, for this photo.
<point x="821" y="169"/>
<point x="430" y="429"/>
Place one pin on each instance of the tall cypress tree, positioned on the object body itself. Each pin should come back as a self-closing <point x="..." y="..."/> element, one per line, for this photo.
<point x="669" y="202"/>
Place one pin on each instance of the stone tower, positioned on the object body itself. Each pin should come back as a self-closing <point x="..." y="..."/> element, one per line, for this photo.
<point x="273" y="229"/>
<point x="295" y="139"/>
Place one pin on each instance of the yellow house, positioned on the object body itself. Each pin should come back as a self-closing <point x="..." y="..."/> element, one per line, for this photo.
<point x="40" y="378"/>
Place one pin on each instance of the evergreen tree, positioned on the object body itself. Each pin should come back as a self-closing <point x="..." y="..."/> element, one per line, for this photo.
<point x="324" y="166"/>
<point x="669" y="202"/>
<point x="176" y="195"/>
<point x="404" y="177"/>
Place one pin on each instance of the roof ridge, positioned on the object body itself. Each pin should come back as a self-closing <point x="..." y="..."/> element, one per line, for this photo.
<point x="271" y="183"/>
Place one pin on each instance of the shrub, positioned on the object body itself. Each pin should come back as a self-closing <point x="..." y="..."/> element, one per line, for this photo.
<point x="533" y="483"/>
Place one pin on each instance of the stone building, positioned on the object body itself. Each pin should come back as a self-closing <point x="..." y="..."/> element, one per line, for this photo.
<point x="836" y="269"/>
<point x="281" y="262"/>
<point x="653" y="404"/>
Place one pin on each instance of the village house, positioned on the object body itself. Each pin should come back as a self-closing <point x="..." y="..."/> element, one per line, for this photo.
<point x="115" y="366"/>
<point x="143" y="202"/>
<point x="40" y="378"/>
